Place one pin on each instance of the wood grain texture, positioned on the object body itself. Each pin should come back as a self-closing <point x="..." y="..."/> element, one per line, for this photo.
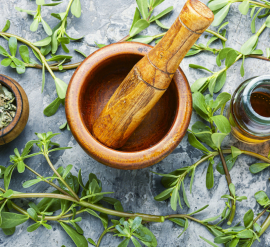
<point x="90" y="89"/>
<point x="19" y="122"/>
<point x="150" y="77"/>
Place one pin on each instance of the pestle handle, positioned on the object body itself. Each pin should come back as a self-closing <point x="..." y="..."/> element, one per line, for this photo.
<point x="150" y="77"/>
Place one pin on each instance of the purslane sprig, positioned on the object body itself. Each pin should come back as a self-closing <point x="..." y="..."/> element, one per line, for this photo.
<point x="73" y="197"/>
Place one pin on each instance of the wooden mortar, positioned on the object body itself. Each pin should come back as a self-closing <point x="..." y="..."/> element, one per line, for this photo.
<point x="91" y="87"/>
<point x="150" y="77"/>
<point x="10" y="132"/>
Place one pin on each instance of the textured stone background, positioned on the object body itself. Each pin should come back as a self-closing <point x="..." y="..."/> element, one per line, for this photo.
<point x="106" y="22"/>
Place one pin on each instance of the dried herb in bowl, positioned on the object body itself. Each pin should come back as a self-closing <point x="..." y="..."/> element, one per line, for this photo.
<point x="7" y="107"/>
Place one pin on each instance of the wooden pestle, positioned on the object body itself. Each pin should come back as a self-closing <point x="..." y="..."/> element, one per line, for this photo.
<point x="150" y="77"/>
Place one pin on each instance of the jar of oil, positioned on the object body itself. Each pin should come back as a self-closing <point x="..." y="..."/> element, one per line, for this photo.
<point x="249" y="112"/>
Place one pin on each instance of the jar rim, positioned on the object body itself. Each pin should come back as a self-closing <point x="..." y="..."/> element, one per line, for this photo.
<point x="251" y="86"/>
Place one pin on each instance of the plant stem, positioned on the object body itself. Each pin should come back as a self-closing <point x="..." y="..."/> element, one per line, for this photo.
<point x="261" y="29"/>
<point x="183" y="216"/>
<point x="102" y="235"/>
<point x="229" y="181"/>
<point x="48" y="182"/>
<point x="260" y="215"/>
<point x="265" y="225"/>
<point x="62" y="180"/>
<point x="216" y="34"/>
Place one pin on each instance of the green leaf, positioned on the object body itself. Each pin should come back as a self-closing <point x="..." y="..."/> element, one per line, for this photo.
<point x="262" y="198"/>
<point x="164" y="12"/>
<point x="236" y="152"/>
<point x="258" y="167"/>
<point x="124" y="243"/>
<point x="59" y="58"/>
<point x="30" y="183"/>
<point x="145" y="236"/>
<point x="157" y="2"/>
<point x="139" y="26"/>
<point x="199" y="210"/>
<point x="234" y="242"/>
<point x="248" y="218"/>
<point x="184" y="194"/>
<point x="10" y="220"/>
<point x="52" y="108"/>
<point x="135" y="242"/>
<point x="216" y="5"/>
<point x="61" y="88"/>
<point x="40" y="2"/>
<point x="223" y="239"/>
<point x="222" y="123"/>
<point x="257" y="227"/>
<point x="33" y="227"/>
<point x="29" y="12"/>
<point x="7" y="175"/>
<point x="6" y="62"/>
<point x="217" y="138"/>
<point x="12" y="46"/>
<point x="198" y="84"/>
<point x="163" y="195"/>
<point x="185" y="228"/>
<point x="54" y="42"/>
<point x="192" y="52"/>
<point x="199" y="105"/>
<point x="21" y="166"/>
<point x="195" y="143"/>
<point x="267" y="22"/>
<point x="252" y="26"/>
<point x="32" y="213"/>
<point x="210" y="176"/>
<point x="244" y="7"/>
<point x="103" y="220"/>
<point x="43" y="42"/>
<point x="8" y="193"/>
<point x="91" y="241"/>
<point x="24" y="52"/>
<point x="77" y="238"/>
<point x="143" y="39"/>
<point x="209" y="242"/>
<point x="232" y="189"/>
<point x="195" y="66"/>
<point x="135" y="18"/>
<point x="249" y="45"/>
<point x="174" y="198"/>
<point x="34" y="25"/>
<point x="220" y="81"/>
<point x="6" y="27"/>
<point x="80" y="52"/>
<point x="46" y="27"/>
<point x="221" y="100"/>
<point x="230" y="58"/>
<point x="162" y="26"/>
<point x="178" y="221"/>
<point x="230" y="161"/>
<point x="221" y="15"/>
<point x="245" y="234"/>
<point x="212" y="85"/>
<point x="143" y="7"/>
<point x="136" y="223"/>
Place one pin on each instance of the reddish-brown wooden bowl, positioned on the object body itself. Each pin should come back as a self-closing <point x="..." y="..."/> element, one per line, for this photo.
<point x="91" y="87"/>
<point x="10" y="132"/>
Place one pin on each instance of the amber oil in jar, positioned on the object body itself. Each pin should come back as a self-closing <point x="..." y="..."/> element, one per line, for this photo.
<point x="249" y="112"/>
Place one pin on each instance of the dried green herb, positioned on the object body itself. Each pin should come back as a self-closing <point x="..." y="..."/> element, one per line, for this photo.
<point x="7" y="106"/>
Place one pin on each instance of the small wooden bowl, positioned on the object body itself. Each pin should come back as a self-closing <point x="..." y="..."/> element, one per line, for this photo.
<point x="91" y="87"/>
<point x="17" y="125"/>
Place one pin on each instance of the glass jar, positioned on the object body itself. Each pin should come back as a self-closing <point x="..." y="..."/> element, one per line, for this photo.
<point x="249" y="112"/>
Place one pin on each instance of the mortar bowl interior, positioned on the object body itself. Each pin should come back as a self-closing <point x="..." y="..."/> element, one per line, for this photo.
<point x="91" y="87"/>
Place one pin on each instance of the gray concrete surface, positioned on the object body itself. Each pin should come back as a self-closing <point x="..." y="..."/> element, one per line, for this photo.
<point x="106" y="22"/>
